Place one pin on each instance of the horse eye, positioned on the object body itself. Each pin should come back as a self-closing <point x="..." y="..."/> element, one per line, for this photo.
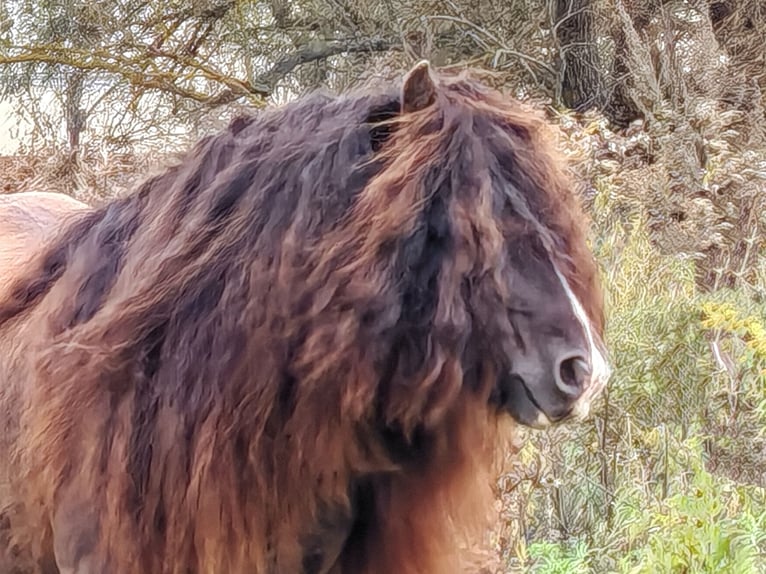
<point x="519" y="311"/>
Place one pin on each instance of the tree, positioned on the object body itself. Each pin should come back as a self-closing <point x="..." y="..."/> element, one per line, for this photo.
<point x="595" y="59"/>
<point x="582" y="81"/>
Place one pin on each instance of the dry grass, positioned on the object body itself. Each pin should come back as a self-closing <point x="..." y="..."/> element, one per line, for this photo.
<point x="89" y="177"/>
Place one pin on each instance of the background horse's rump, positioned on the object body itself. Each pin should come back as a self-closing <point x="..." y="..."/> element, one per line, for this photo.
<point x="28" y="222"/>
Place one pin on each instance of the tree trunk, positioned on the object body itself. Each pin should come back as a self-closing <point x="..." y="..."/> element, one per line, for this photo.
<point x="581" y="77"/>
<point x="73" y="112"/>
<point x="586" y="79"/>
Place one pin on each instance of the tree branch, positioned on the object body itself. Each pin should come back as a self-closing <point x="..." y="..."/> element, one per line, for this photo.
<point x="131" y="70"/>
<point x="135" y="68"/>
<point x="321" y="50"/>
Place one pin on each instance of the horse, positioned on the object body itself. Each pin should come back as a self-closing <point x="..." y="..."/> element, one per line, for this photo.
<point x="28" y="221"/>
<point x="300" y="346"/>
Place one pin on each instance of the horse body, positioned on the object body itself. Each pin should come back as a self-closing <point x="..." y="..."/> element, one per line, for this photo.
<point x="28" y="222"/>
<point x="291" y="352"/>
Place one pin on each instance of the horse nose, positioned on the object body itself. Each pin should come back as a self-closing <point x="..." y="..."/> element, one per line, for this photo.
<point x="573" y="372"/>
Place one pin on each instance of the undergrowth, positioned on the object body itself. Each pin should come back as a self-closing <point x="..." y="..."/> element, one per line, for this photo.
<point x="668" y="475"/>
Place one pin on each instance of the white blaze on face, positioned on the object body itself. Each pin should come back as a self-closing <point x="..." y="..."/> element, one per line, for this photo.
<point x="600" y="369"/>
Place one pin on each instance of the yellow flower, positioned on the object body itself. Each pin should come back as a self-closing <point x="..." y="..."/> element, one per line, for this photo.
<point x="724" y="317"/>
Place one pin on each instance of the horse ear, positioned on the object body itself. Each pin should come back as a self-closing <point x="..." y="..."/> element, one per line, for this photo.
<point x="419" y="90"/>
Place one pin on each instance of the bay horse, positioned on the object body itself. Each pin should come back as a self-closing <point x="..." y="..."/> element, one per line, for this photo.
<point x="294" y="349"/>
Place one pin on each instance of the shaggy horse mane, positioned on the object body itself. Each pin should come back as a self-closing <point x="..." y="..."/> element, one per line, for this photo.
<point x="269" y="338"/>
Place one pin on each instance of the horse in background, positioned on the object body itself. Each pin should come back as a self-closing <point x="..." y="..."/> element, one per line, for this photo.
<point x="28" y="222"/>
<point x="295" y="350"/>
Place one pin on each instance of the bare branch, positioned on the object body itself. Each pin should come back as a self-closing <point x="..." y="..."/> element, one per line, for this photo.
<point x="323" y="49"/>
<point x="501" y="46"/>
<point x="135" y="69"/>
<point x="130" y="70"/>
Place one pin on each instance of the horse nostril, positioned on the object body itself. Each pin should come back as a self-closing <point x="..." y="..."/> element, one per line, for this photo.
<point x="572" y="375"/>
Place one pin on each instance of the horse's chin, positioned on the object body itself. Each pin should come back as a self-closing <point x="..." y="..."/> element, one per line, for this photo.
<point x="516" y="399"/>
<point x="529" y="417"/>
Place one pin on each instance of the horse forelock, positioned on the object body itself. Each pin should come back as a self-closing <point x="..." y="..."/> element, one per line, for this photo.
<point x="268" y="303"/>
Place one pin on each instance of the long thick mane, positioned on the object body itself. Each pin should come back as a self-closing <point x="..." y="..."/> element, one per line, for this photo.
<point x="268" y="334"/>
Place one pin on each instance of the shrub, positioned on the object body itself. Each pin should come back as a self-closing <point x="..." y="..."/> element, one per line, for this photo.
<point x="668" y="474"/>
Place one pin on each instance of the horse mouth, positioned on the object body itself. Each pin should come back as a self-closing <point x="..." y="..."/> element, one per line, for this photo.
<point x="517" y="399"/>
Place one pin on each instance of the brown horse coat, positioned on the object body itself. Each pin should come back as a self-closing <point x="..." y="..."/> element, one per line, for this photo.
<point x="28" y="222"/>
<point x="290" y="352"/>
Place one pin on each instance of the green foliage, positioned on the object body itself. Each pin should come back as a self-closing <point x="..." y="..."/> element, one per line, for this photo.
<point x="560" y="559"/>
<point x="708" y="526"/>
